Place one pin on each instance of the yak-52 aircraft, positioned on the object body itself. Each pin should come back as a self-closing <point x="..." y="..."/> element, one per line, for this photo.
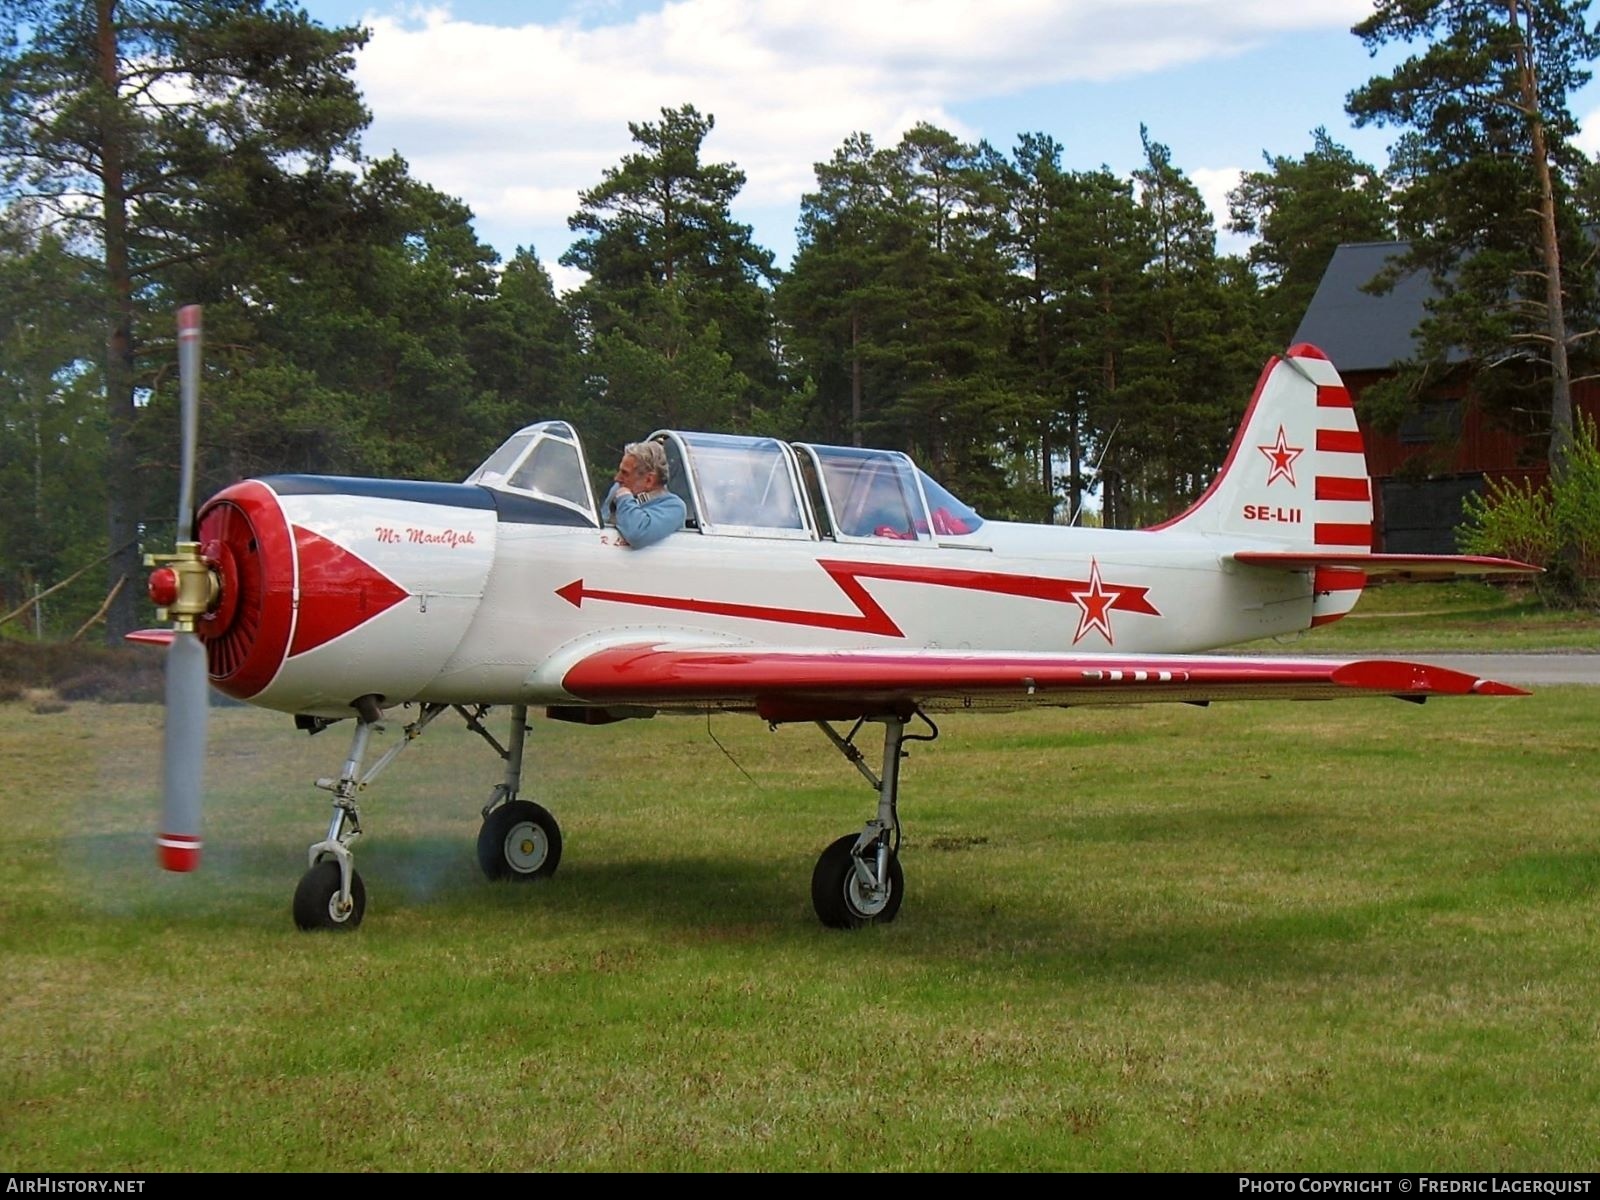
<point x="812" y="583"/>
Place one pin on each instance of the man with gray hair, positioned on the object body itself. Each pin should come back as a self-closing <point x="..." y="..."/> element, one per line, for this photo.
<point x="638" y="503"/>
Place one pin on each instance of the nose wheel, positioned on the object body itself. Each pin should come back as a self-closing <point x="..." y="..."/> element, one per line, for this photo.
<point x="320" y="903"/>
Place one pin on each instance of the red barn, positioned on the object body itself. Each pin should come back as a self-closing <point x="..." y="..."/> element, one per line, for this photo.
<point x="1446" y="449"/>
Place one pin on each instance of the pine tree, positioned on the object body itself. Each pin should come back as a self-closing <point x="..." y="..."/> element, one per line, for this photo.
<point x="1485" y="175"/>
<point x="836" y="298"/>
<point x="951" y="409"/>
<point x="1034" y="196"/>
<point x="660" y="223"/>
<point x="1300" y="211"/>
<point x="524" y="351"/>
<point x="51" y="424"/>
<point x="138" y="125"/>
<point x="1187" y="367"/>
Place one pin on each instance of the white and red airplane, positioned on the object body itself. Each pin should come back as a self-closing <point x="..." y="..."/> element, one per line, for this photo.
<point x="812" y="583"/>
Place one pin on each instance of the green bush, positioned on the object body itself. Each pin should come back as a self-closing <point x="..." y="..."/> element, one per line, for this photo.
<point x="1577" y="502"/>
<point x="1533" y="524"/>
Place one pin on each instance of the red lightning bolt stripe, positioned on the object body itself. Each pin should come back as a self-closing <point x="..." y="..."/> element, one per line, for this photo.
<point x="870" y="616"/>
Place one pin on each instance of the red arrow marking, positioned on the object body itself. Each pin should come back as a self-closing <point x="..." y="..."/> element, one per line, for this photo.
<point x="870" y="616"/>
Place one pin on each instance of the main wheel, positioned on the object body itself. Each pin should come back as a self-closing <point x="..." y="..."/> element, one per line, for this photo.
<point x="316" y="900"/>
<point x="840" y="898"/>
<point x="519" y="841"/>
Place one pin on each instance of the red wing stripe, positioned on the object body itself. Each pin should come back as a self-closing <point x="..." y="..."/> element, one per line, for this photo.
<point x="1340" y="441"/>
<point x="1335" y="487"/>
<point x="876" y="681"/>
<point x="1329" y="396"/>
<point x="1330" y="533"/>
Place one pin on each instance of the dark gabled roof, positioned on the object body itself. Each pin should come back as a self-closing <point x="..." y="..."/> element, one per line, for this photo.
<point x="1358" y="330"/>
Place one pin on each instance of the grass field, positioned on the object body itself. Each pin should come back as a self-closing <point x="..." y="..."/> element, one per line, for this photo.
<point x="1465" y="616"/>
<point x="1310" y="936"/>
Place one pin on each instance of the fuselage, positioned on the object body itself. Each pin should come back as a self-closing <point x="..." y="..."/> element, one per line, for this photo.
<point x="457" y="593"/>
<point x="489" y="591"/>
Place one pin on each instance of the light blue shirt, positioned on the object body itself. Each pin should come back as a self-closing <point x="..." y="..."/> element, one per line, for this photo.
<point x="643" y="520"/>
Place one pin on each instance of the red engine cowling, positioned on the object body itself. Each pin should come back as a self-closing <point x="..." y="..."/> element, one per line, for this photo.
<point x="330" y="588"/>
<point x="245" y="538"/>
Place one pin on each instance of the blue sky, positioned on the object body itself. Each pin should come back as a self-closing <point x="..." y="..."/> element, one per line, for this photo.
<point x="516" y="107"/>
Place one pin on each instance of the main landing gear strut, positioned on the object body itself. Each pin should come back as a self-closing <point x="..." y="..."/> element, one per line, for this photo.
<point x="858" y="880"/>
<point x="519" y="840"/>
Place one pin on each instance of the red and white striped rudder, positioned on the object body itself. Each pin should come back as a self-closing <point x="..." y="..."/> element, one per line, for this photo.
<point x="1295" y="478"/>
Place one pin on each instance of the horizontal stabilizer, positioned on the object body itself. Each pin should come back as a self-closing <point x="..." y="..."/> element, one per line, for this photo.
<point x="1393" y="566"/>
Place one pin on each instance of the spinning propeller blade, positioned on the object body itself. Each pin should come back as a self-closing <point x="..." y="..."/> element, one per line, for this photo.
<point x="188" y="702"/>
<point x="183" y="753"/>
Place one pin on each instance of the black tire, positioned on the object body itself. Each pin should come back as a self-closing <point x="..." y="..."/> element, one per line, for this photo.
<point x="316" y="899"/>
<point x="836" y="889"/>
<point x="520" y="841"/>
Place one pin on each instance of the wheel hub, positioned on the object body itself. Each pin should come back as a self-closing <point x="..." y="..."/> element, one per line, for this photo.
<point x="526" y="848"/>
<point x="868" y="900"/>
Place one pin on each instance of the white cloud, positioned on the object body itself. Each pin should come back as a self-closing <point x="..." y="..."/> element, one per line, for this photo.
<point x="1214" y="184"/>
<point x="1588" y="139"/>
<point x="516" y="120"/>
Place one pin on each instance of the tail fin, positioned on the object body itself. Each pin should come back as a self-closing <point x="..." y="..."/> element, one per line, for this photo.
<point x="1295" y="478"/>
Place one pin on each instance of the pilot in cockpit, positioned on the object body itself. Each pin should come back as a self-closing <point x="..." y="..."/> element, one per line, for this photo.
<point x="639" y="504"/>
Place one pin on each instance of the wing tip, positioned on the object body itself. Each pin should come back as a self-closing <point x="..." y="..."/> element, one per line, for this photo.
<point x="1491" y="687"/>
<point x="1411" y="678"/>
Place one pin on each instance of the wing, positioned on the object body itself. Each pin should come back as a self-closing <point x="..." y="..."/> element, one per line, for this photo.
<point x="1395" y="566"/>
<point x="802" y="685"/>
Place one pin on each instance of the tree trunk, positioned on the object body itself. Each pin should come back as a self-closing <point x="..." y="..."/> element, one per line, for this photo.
<point x="1567" y="581"/>
<point x="121" y="505"/>
<point x="855" y="378"/>
<point x="1047" y="450"/>
<point x="1075" y="460"/>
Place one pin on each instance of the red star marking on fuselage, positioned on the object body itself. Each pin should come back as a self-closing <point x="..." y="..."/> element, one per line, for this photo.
<point x="1281" y="455"/>
<point x="1096" y="604"/>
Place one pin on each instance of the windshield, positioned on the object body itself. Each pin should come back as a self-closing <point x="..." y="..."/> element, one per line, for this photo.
<point x="544" y="461"/>
<point x="950" y="516"/>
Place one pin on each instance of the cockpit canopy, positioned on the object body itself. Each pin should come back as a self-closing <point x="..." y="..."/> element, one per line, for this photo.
<point x="544" y="461"/>
<point x="750" y="486"/>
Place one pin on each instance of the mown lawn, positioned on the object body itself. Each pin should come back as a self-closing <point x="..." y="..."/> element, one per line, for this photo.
<point x="1313" y="936"/>
<point x="1466" y="616"/>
